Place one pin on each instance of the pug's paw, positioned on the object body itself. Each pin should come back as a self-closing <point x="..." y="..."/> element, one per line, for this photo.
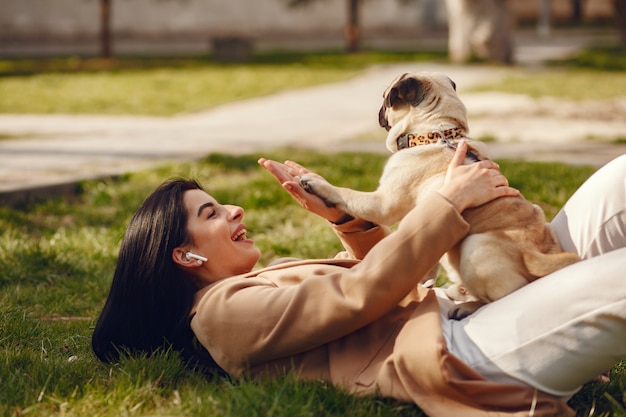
<point x="322" y="189"/>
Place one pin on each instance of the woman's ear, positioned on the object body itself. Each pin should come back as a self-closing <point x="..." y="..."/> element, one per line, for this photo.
<point x="179" y="256"/>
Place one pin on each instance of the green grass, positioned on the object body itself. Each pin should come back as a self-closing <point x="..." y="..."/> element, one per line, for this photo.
<point x="610" y="58"/>
<point x="158" y="92"/>
<point x="57" y="257"/>
<point x="163" y="87"/>
<point x="570" y="84"/>
<point x="593" y="74"/>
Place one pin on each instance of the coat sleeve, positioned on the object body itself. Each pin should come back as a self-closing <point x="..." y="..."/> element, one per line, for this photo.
<point x="248" y="321"/>
<point x="358" y="237"/>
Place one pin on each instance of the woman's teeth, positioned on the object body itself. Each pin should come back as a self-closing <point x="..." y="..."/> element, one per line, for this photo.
<point x="239" y="235"/>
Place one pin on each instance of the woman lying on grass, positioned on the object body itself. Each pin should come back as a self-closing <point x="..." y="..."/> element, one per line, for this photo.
<point x="361" y="320"/>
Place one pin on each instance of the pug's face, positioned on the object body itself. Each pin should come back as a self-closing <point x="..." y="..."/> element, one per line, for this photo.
<point x="420" y="103"/>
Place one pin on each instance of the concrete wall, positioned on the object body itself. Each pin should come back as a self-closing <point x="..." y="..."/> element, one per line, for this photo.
<point x="77" y="18"/>
<point x="593" y="10"/>
<point x="40" y="27"/>
<point x="66" y="18"/>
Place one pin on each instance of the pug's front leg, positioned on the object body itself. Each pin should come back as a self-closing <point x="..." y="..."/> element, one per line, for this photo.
<point x="330" y="194"/>
<point x="378" y="206"/>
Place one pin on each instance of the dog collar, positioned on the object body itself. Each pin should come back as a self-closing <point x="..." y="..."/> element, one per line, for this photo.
<point x="409" y="140"/>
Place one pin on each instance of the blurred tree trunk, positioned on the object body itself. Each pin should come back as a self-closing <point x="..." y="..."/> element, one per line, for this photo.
<point x="619" y="7"/>
<point x="106" y="47"/>
<point x="353" y="35"/>
<point x="480" y="29"/>
<point x="577" y="11"/>
<point x="545" y="18"/>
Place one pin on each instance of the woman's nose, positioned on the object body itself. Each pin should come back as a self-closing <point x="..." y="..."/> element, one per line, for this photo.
<point x="236" y="212"/>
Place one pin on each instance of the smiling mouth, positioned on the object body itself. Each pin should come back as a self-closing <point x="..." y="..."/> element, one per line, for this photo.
<point x="240" y="235"/>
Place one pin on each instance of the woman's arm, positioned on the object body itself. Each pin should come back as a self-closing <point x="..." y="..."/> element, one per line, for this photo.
<point x="285" y="311"/>
<point x="248" y="321"/>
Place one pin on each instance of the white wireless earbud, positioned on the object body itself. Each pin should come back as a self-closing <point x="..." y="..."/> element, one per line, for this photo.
<point x="198" y="258"/>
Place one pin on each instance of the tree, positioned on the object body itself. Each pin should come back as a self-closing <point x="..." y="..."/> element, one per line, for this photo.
<point x="480" y="29"/>
<point x="106" y="48"/>
<point x="577" y="11"/>
<point x="352" y="33"/>
<point x="619" y="7"/>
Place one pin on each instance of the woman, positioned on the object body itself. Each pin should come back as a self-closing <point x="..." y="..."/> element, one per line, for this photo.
<point x="361" y="320"/>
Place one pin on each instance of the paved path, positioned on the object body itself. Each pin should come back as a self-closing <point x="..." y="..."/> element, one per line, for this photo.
<point x="57" y="149"/>
<point x="54" y="151"/>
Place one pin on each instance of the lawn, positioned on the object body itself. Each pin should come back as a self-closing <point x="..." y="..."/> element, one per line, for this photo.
<point x="168" y="86"/>
<point x="164" y="86"/>
<point x="593" y="74"/>
<point x="57" y="257"/>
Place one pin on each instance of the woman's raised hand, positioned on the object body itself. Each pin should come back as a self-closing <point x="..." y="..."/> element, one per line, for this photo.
<point x="288" y="175"/>
<point x="472" y="185"/>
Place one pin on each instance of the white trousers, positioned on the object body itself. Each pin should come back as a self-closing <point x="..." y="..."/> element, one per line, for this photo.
<point x="562" y="330"/>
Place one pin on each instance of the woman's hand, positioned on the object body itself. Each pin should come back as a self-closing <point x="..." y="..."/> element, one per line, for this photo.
<point x="288" y="175"/>
<point x="472" y="185"/>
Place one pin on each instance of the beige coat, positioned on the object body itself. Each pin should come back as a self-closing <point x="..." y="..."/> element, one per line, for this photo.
<point x="363" y="325"/>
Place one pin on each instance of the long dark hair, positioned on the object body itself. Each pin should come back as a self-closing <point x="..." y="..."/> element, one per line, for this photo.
<point x="148" y="305"/>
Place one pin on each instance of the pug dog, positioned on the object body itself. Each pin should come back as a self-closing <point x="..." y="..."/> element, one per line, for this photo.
<point x="509" y="243"/>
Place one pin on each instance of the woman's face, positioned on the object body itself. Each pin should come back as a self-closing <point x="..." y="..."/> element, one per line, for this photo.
<point x="217" y="233"/>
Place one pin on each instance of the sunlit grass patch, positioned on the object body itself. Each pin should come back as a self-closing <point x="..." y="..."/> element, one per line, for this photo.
<point x="57" y="258"/>
<point x="168" y="86"/>
<point x="158" y="92"/>
<point x="568" y="84"/>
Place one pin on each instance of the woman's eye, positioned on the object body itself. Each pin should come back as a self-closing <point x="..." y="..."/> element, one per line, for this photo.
<point x="212" y="213"/>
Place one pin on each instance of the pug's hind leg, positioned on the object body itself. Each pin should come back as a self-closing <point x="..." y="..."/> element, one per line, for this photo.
<point x="460" y="311"/>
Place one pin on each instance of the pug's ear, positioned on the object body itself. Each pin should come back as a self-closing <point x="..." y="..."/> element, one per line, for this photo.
<point x="382" y="119"/>
<point x="406" y="91"/>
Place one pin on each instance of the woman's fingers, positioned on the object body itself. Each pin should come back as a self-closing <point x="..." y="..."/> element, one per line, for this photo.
<point x="459" y="154"/>
<point x="281" y="172"/>
<point x="475" y="184"/>
<point x="288" y="174"/>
